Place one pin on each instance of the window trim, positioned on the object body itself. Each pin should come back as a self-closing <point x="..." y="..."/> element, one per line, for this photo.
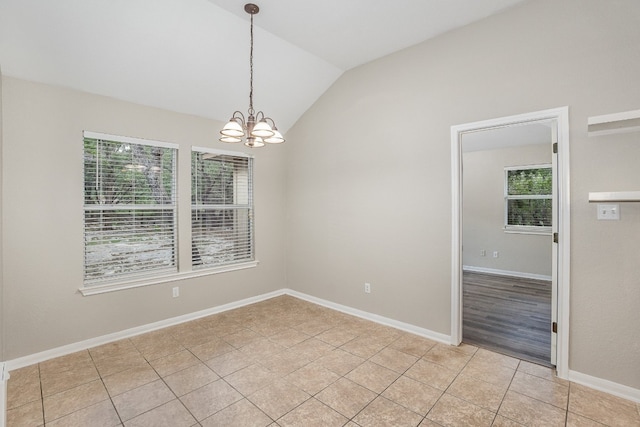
<point x="129" y="140"/>
<point x="524" y="229"/>
<point x="156" y="280"/>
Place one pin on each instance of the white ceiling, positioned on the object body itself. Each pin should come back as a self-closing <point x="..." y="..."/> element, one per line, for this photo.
<point x="191" y="56"/>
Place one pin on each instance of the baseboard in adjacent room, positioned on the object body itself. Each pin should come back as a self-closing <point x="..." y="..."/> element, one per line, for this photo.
<point x="505" y="273"/>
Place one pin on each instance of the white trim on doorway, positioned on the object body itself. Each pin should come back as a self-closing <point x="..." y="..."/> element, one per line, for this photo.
<point x="4" y="377"/>
<point x="561" y="116"/>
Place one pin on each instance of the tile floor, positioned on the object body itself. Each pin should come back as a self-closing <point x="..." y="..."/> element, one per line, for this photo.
<point x="286" y="362"/>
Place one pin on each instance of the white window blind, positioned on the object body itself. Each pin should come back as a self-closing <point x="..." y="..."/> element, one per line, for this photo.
<point x="221" y="208"/>
<point x="528" y="197"/>
<point x="129" y="208"/>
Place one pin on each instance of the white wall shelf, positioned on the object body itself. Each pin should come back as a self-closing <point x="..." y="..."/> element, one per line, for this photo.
<point x="628" y="121"/>
<point x="614" y="196"/>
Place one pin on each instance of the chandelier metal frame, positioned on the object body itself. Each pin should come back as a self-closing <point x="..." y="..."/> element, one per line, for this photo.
<point x="257" y="127"/>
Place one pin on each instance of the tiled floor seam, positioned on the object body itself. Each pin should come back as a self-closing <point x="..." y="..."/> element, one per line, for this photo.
<point x="454" y="379"/>
<point x="426" y="416"/>
<point x="106" y="389"/>
<point x="41" y="394"/>
<point x="505" y="394"/>
<point x="286" y="413"/>
<point x="378" y="395"/>
<point x="243" y="397"/>
<point x="170" y="389"/>
<point x="144" y="412"/>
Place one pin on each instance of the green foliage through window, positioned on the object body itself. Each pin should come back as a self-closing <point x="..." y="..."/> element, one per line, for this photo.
<point x="529" y="196"/>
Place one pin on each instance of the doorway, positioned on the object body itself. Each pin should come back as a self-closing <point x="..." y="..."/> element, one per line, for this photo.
<point x="556" y="123"/>
<point x="507" y="219"/>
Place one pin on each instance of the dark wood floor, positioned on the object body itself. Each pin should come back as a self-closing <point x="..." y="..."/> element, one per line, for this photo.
<point x="509" y="315"/>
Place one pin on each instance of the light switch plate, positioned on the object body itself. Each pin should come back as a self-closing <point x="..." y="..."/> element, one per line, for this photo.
<point x="608" y="212"/>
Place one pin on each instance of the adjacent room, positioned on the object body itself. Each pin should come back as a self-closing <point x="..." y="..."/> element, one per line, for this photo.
<point x="419" y="212"/>
<point x="508" y="217"/>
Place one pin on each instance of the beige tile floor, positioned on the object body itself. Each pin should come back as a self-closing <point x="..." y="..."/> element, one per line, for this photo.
<point x="286" y="362"/>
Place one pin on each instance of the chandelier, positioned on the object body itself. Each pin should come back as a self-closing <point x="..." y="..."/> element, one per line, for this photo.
<point x="257" y="128"/>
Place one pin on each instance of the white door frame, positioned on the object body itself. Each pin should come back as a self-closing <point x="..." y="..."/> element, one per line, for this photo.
<point x="561" y="116"/>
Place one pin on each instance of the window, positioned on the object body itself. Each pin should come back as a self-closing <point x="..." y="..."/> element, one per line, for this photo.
<point x="528" y="198"/>
<point x="221" y="208"/>
<point x="129" y="208"/>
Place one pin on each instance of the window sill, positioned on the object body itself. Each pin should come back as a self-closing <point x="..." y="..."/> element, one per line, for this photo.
<point x="112" y="287"/>
<point x="543" y="231"/>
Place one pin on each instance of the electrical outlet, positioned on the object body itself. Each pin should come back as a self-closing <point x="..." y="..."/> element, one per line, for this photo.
<point x="608" y="212"/>
<point x="495" y="254"/>
<point x="367" y="288"/>
<point x="176" y="292"/>
<point x="483" y="252"/>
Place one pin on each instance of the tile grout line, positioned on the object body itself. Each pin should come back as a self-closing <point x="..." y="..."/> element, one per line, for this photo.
<point x="105" y="387"/>
<point x="241" y="394"/>
<point x="41" y="395"/>
<point x="505" y="393"/>
<point x="452" y="381"/>
<point x="204" y="363"/>
<point x="352" y="419"/>
<point x="122" y="422"/>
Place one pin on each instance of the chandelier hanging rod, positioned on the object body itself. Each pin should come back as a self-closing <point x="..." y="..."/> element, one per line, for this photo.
<point x="255" y="126"/>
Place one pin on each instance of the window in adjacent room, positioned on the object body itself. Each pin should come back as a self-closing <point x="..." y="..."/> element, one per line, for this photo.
<point x="129" y="209"/>
<point x="528" y="198"/>
<point x="221" y="208"/>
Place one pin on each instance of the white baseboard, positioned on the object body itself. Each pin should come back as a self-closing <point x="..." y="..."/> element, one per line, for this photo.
<point x="607" y="386"/>
<point x="4" y="376"/>
<point x="128" y="333"/>
<point x="426" y="333"/>
<point x="506" y="273"/>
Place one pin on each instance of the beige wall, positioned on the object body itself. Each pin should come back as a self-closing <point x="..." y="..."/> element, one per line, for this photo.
<point x="42" y="198"/>
<point x="368" y="195"/>
<point x="483" y="213"/>
<point x="368" y="179"/>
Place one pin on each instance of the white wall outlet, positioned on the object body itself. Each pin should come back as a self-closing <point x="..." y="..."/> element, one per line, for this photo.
<point x="495" y="254"/>
<point x="483" y="252"/>
<point x="367" y="288"/>
<point x="176" y="292"/>
<point x="608" y="212"/>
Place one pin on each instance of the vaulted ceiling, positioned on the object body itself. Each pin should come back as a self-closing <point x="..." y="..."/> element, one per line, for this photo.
<point x="192" y="56"/>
